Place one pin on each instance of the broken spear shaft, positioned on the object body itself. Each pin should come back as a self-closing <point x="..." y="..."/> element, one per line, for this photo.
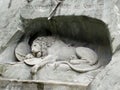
<point x="54" y="10"/>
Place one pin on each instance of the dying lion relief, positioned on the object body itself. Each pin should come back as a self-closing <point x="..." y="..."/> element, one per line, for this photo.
<point x="62" y="53"/>
<point x="50" y="49"/>
<point x="58" y="44"/>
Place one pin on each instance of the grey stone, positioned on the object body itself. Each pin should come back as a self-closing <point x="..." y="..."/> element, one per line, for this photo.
<point x="87" y="54"/>
<point x="16" y="71"/>
<point x="109" y="78"/>
<point x="116" y="44"/>
<point x="7" y="51"/>
<point x="22" y="50"/>
<point x="33" y="61"/>
<point x="10" y="31"/>
<point x="104" y="10"/>
<point x="35" y="85"/>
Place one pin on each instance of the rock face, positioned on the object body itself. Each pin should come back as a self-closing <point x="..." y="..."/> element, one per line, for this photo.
<point x="103" y="10"/>
<point x="109" y="78"/>
<point x="12" y="12"/>
<point x="10" y="31"/>
<point x="21" y="71"/>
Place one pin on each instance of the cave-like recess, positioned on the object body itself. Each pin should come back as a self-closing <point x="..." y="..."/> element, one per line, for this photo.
<point x="80" y="28"/>
<point x="92" y="31"/>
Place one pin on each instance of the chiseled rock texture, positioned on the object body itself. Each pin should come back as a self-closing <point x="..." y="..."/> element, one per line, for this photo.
<point x="10" y="30"/>
<point x="108" y="11"/>
<point x="109" y="78"/>
<point x="35" y="85"/>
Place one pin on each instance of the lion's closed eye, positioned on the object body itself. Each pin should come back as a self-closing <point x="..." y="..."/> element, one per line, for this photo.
<point x="35" y="45"/>
<point x="38" y="39"/>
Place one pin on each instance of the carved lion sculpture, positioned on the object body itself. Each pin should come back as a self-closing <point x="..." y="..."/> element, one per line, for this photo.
<point x="48" y="49"/>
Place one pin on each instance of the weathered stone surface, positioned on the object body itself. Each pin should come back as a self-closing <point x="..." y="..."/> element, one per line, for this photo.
<point x="22" y="50"/>
<point x="38" y="85"/>
<point x="32" y="61"/>
<point x="10" y="32"/>
<point x="87" y="54"/>
<point x="19" y="71"/>
<point x="7" y="52"/>
<point x="36" y="15"/>
<point x="116" y="44"/>
<point x="105" y="10"/>
<point x="109" y="78"/>
<point x="50" y="72"/>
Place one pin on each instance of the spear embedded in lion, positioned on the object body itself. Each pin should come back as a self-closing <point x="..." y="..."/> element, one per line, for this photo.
<point x="54" y="10"/>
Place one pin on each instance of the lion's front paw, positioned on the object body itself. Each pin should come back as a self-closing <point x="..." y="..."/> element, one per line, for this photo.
<point x="56" y="65"/>
<point x="34" y="69"/>
<point x="29" y="56"/>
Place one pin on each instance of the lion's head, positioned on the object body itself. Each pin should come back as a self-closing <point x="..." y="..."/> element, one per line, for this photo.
<point x="41" y="44"/>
